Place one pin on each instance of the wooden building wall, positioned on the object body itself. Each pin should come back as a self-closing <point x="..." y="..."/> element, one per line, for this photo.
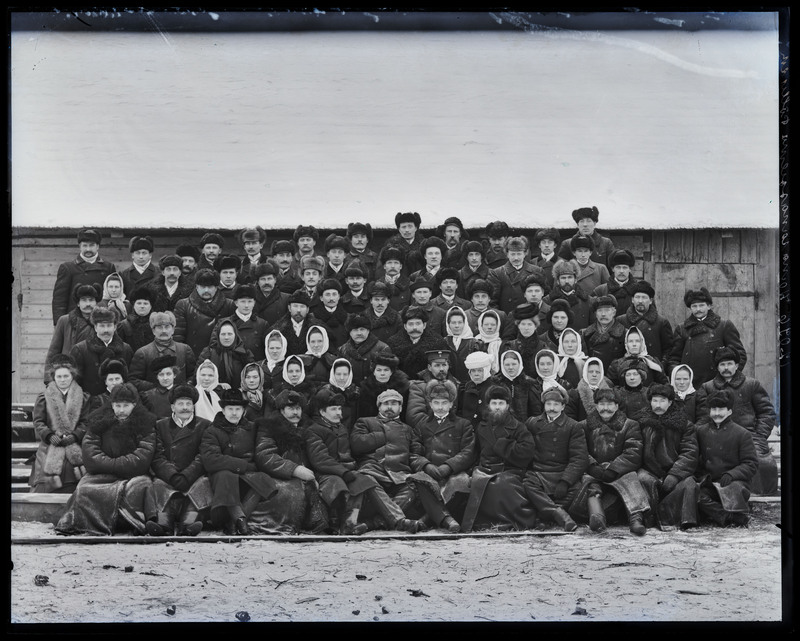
<point x="739" y="267"/>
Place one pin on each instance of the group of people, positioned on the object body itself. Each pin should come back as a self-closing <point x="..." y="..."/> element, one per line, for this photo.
<point x="443" y="382"/>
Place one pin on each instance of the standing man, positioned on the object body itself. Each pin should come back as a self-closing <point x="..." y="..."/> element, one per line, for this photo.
<point x="252" y="329"/>
<point x="271" y="302"/>
<point x="360" y="235"/>
<point x="565" y="277"/>
<point x="171" y="285"/>
<point x="475" y="267"/>
<point x="337" y="249"/>
<point x="507" y="280"/>
<point x="305" y="237"/>
<point x="605" y="338"/>
<point x="590" y="274"/>
<point x="362" y="347"/>
<point x="408" y="240"/>
<point x="455" y="237"/>
<point x="547" y="240"/>
<point x="142" y="271"/>
<point x="412" y="345"/>
<point x="252" y="240"/>
<point x="622" y="284"/>
<point x="190" y="256"/>
<point x="421" y="292"/>
<point x="196" y="316"/>
<point x="87" y="269"/>
<point x="700" y="335"/>
<point x="75" y="326"/>
<point x="283" y="252"/>
<point x="447" y="280"/>
<point x="227" y="266"/>
<point x="586" y="219"/>
<point x="432" y="250"/>
<point x="642" y="313"/>
<point x="90" y="353"/>
<point x="392" y="273"/>
<point x="497" y="232"/>
<point x="211" y="245"/>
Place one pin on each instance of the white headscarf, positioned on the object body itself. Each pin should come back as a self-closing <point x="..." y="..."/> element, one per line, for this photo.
<point x="690" y="389"/>
<point x="337" y="363"/>
<point x="326" y="343"/>
<point x="651" y="362"/>
<point x="294" y="358"/>
<point x="548" y="381"/>
<point x="503" y="356"/>
<point x="579" y="357"/>
<point x="284" y="346"/>
<point x="492" y="341"/>
<point x="589" y="361"/>
<point x="207" y="405"/>
<point x="479" y="360"/>
<point x="118" y="303"/>
<point x="465" y="333"/>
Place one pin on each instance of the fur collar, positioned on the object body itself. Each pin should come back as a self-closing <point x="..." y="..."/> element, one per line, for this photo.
<point x="673" y="419"/>
<point x="140" y="422"/>
<point x="650" y="316"/>
<point x="210" y="308"/>
<point x="617" y="422"/>
<point x="736" y="381"/>
<point x="286" y="436"/>
<point x="570" y="297"/>
<point x="695" y="327"/>
<point x="593" y="335"/>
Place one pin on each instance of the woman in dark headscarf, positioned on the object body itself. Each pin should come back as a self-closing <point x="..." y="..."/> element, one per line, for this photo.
<point x="253" y="390"/>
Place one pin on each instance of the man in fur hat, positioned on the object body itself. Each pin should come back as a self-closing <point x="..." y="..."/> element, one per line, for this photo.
<point x="294" y="325"/>
<point x="455" y="237"/>
<point x="385" y="449"/>
<point x="135" y="327"/>
<point x="475" y="267"/>
<point x="118" y="448"/>
<point x="252" y="240"/>
<point x="497" y="232"/>
<point x="337" y="249"/>
<point x="171" y="285"/>
<point x="190" y="257"/>
<point x="392" y="273"/>
<point x="421" y="298"/>
<point x="752" y="409"/>
<point x="355" y="298"/>
<point x="728" y="463"/>
<point x="586" y="219"/>
<point x="622" y="283"/>
<point x="74" y="326"/>
<point x="642" y="313"/>
<point x="480" y="295"/>
<point x="408" y="240"/>
<point x="547" y="242"/>
<point x="156" y="399"/>
<point x="305" y="237"/>
<point x="141" y="270"/>
<point x="88" y="354"/>
<point x="527" y="341"/>
<point x="438" y="369"/>
<point x="447" y="283"/>
<point x="196" y="315"/>
<point x="360" y="235"/>
<point x="327" y="309"/>
<point x="384" y="318"/>
<point x="312" y="269"/>
<point x="700" y="335"/>
<point x="283" y="252"/>
<point x="271" y="302"/>
<point x="112" y="373"/>
<point x="211" y="246"/>
<point x="143" y="372"/>
<point x="432" y="251"/>
<point x="181" y="491"/>
<point x="669" y="460"/>
<point x="87" y="269"/>
<point x="411" y="345"/>
<point x="560" y="459"/>
<point x="590" y="274"/>
<point x="252" y="328"/>
<point x="534" y="289"/>
<point x="362" y="346"/>
<point x="227" y="266"/>
<point x="565" y="277"/>
<point x="605" y="338"/>
<point x="506" y="281"/>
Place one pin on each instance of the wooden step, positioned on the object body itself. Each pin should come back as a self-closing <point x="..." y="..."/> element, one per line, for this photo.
<point x="20" y="471"/>
<point x="23" y="448"/>
<point x="44" y="508"/>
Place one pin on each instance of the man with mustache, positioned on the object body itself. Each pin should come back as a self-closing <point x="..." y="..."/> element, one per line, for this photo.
<point x="412" y="344"/>
<point x="271" y="302"/>
<point x="197" y="315"/>
<point x="294" y="325"/>
<point x="190" y="256"/>
<point x="642" y="313"/>
<point x="586" y="219"/>
<point x="171" y="285"/>
<point x="74" y="326"/>
<point x="211" y="245"/>
<point x="90" y="353"/>
<point x="507" y="281"/>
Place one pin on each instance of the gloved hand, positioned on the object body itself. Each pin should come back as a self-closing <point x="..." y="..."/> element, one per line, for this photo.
<point x="725" y="480"/>
<point x="68" y="439"/>
<point x="54" y="439"/>
<point x="431" y="470"/>
<point x="444" y="470"/>
<point x="562" y="487"/>
<point x="179" y="482"/>
<point x="251" y="467"/>
<point x="349" y="476"/>
<point x="596" y="471"/>
<point x="609" y="475"/>
<point x="668" y="484"/>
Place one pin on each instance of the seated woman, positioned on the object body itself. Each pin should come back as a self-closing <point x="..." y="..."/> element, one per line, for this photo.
<point x="281" y="453"/>
<point x="207" y="405"/>
<point x="293" y="378"/>
<point x="527" y="341"/>
<point x="581" y="399"/>
<point x="135" y="329"/>
<point x="571" y="358"/>
<point x="340" y="381"/>
<point x="118" y="448"/>
<point x="227" y="451"/>
<point x="488" y="339"/>
<point x="230" y="355"/>
<point x="636" y="352"/>
<point x="385" y="375"/>
<point x="114" y="297"/>
<point x="320" y="358"/>
<point x="459" y="339"/>
<point x="59" y="420"/>
<point x="253" y="390"/>
<point x="681" y="381"/>
<point x="156" y="400"/>
<point x="524" y="399"/>
<point x="275" y="346"/>
<point x="632" y="393"/>
<point x="547" y="364"/>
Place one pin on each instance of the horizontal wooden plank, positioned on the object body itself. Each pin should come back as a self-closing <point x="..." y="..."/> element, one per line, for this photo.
<point x="33" y="283"/>
<point x="28" y="356"/>
<point x="37" y="296"/>
<point x="37" y="326"/>
<point x="37" y="311"/>
<point x="40" y="268"/>
<point x="33" y="371"/>
<point x="36" y="341"/>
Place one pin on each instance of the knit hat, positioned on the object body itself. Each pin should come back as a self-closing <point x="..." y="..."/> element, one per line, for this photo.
<point x="378" y="288"/>
<point x="162" y="318"/>
<point x="555" y="393"/>
<point x="697" y="296"/>
<point x="562" y="267"/>
<point x="479" y="285"/>
<point x="124" y="393"/>
<point x="474" y="246"/>
<point x="82" y="291"/>
<point x="305" y="231"/>
<point x="89" y="236"/>
<point x="170" y="260"/>
<point x="288" y="397"/>
<point x="142" y="293"/>
<point x="359" y="228"/>
<point x="390" y="252"/>
<point x="334" y="241"/>
<point x="103" y="315"/>
<point x="160" y="362"/>
<point x="412" y="312"/>
<point x="721" y="398"/>
<point x="606" y="300"/>
<point x="330" y="283"/>
<point x="206" y="278"/>
<point x="585" y="212"/>
<point x="283" y="247"/>
<point x="621" y="257"/>
<point x="183" y="391"/>
<point x="478" y="360"/>
<point x="113" y="366"/>
<point x="542" y="234"/>
<point x="657" y="389"/>
<point x="419" y="283"/>
<point x="299" y="296"/>
<point x="498" y="392"/>
<point x="250" y="234"/>
<point x="264" y="269"/>
<point x="312" y="262"/>
<point x="354" y="321"/>
<point x="386" y="360"/>
<point x="517" y="244"/>
<point x="441" y="389"/>
<point x="581" y="242"/>
<point x="407" y="217"/>
<point x="525" y="310"/>
<point x="212" y="239"/>
<point x="497" y="229"/>
<point x="606" y="394"/>
<point x="432" y="241"/>
<point x="244" y="291"/>
<point x="188" y="250"/>
<point x="389" y="395"/>
<point x="643" y="287"/>
<point x="726" y="354"/>
<point x="227" y="261"/>
<point x="140" y="242"/>
<point x="326" y="397"/>
<point x="560" y="305"/>
<point x="232" y="396"/>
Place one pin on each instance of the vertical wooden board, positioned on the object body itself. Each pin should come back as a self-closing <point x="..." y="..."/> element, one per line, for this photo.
<point x="669" y="285"/>
<point x="714" y="246"/>
<point x="731" y="241"/>
<point x="740" y="313"/>
<point x="768" y="341"/>
<point x="672" y="246"/>
<point x="700" y="250"/>
<point x="687" y="246"/>
<point x="17" y="256"/>
<point x="657" y="247"/>
<point x="748" y="246"/>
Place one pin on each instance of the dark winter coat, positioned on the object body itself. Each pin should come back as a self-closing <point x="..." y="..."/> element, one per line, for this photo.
<point x="70" y="330"/>
<point x="163" y="302"/>
<point x="560" y="452"/>
<point x="141" y="372"/>
<point x="195" y="319"/>
<point x="607" y="346"/>
<point x="156" y="401"/>
<point x="621" y="292"/>
<point x="507" y="282"/>
<point x="603" y="248"/>
<point x="361" y="356"/>
<point x="281" y="446"/>
<point x="579" y="303"/>
<point x="385" y="326"/>
<point x="386" y="449"/>
<point x="591" y="276"/>
<point x="88" y="356"/>
<point x="122" y="449"/>
<point x="465" y="348"/>
<point x="618" y="443"/>
<point x="354" y="304"/>
<point x="368" y="260"/>
<point x="296" y="344"/>
<point x="178" y="452"/>
<point x="669" y="443"/>
<point x="73" y="273"/>
<point x="136" y="331"/>
<point x="467" y="276"/>
<point x="727" y="449"/>
<point x="132" y="279"/>
<point x="528" y="347"/>
<point x="370" y="389"/>
<point x="334" y="322"/>
<point x="525" y="401"/>
<point x="470" y="403"/>
<point x="436" y="318"/>
<point x="252" y="331"/>
<point x="509" y="446"/>
<point x="656" y="329"/>
<point x="271" y="308"/>
<point x="412" y="260"/>
<point x="239" y="357"/>
<point x="412" y="355"/>
<point x="451" y="442"/>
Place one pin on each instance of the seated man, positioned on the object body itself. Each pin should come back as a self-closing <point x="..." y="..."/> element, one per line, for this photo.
<point x="669" y="459"/>
<point x="615" y="454"/>
<point x="728" y="463"/>
<point x="180" y="490"/>
<point x="560" y="459"/>
<point x="117" y="450"/>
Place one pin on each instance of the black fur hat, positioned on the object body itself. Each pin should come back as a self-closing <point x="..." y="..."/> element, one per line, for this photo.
<point x="227" y="261"/>
<point x="206" y="278"/>
<point x="188" y="250"/>
<point x="140" y="242"/>
<point x="334" y="241"/>
<point x="89" y="236"/>
<point x="621" y="257"/>
<point x="390" y="252"/>
<point x="359" y="228"/>
<point x="585" y="212"/>
<point x="170" y="260"/>
<point x="432" y="241"/>
<point x="578" y="242"/>
<point x="407" y="217"/>
<point x="82" y="291"/>
<point x="697" y="296"/>
<point x="212" y="239"/>
<point x="497" y="229"/>
<point x="305" y="230"/>
<point x="551" y="233"/>
<point x="183" y="391"/>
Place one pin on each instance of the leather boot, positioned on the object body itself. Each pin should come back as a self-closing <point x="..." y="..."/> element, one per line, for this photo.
<point x="189" y="525"/>
<point x="351" y="526"/>
<point x="561" y="517"/>
<point x="164" y="526"/>
<point x="410" y="525"/>
<point x="636" y="521"/>
<point x="597" y="516"/>
<point x="450" y="524"/>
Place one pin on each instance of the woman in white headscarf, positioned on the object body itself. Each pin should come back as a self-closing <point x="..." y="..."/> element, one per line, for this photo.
<point x="547" y="362"/>
<point x="681" y="381"/>
<point x="459" y="339"/>
<point x="320" y="358"/>
<point x="293" y="378"/>
<point x="636" y="353"/>
<point x="114" y="296"/>
<point x="207" y="405"/>
<point x="524" y="400"/>
<point x="488" y="339"/>
<point x="571" y="357"/>
<point x="340" y="381"/>
<point x="275" y="346"/>
<point x="581" y="399"/>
